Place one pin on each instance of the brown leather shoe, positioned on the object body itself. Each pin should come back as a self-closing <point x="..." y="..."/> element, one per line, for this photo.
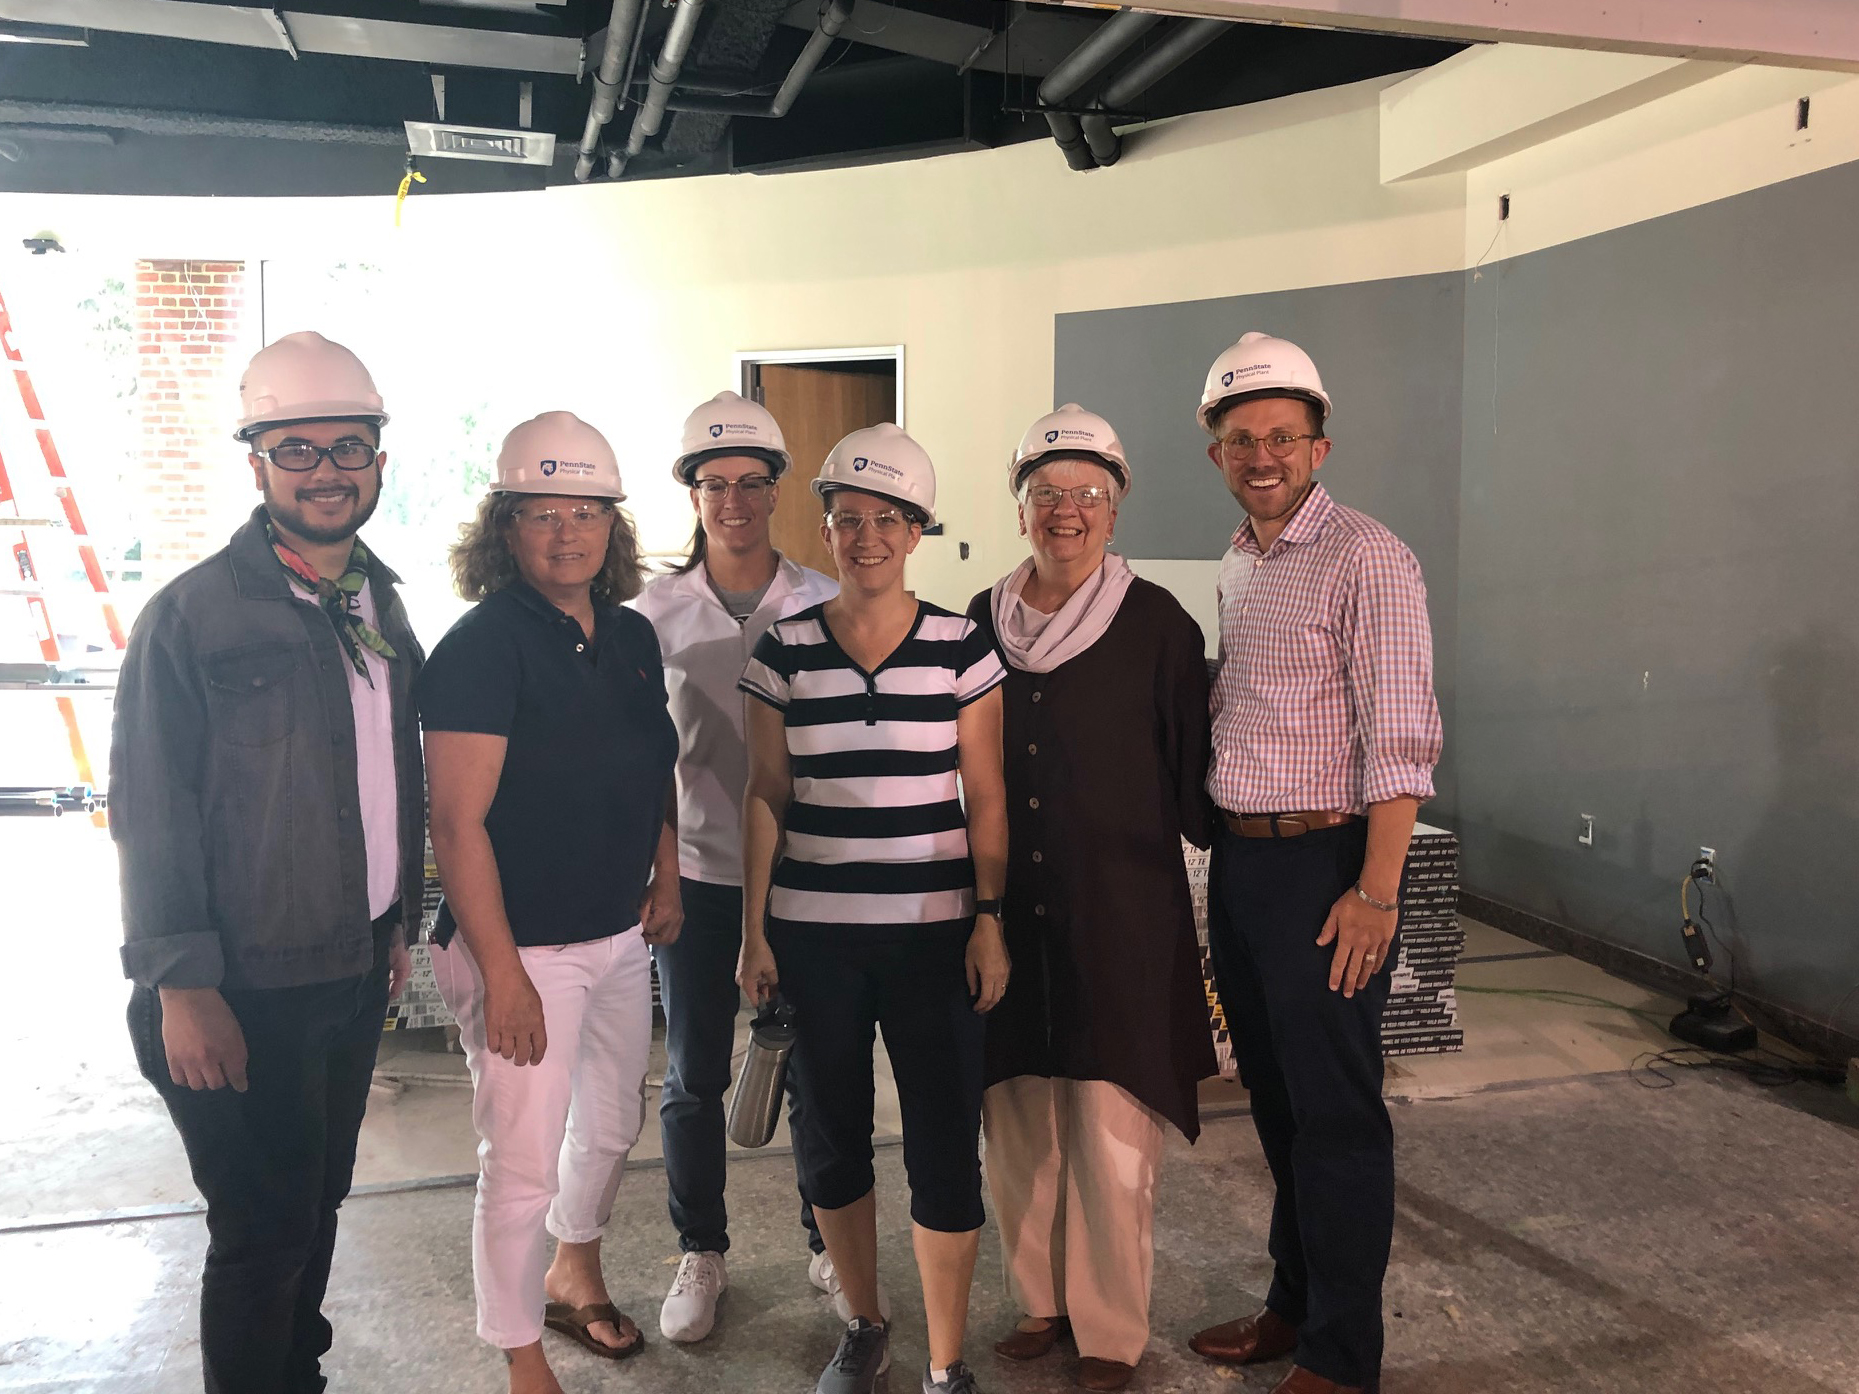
<point x="1105" y="1375"/>
<point x="1302" y="1381"/>
<point x="1030" y="1345"/>
<point x="1248" y="1341"/>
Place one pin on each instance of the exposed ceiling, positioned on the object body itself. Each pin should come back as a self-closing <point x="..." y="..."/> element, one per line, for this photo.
<point x="203" y="97"/>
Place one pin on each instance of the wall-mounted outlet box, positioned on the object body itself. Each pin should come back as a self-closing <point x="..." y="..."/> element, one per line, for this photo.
<point x="1586" y="836"/>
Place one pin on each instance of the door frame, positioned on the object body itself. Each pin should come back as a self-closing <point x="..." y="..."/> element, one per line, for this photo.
<point x="746" y="363"/>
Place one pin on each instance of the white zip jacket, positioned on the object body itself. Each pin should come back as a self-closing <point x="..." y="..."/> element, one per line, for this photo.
<point x="705" y="652"/>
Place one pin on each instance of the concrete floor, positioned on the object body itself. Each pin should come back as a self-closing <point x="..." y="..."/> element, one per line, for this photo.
<point x="1584" y="1235"/>
<point x="1561" y="1226"/>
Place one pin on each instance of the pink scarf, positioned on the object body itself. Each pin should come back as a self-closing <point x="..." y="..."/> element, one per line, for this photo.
<point x="1076" y="625"/>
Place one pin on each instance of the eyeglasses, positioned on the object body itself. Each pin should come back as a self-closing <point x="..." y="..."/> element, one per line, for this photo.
<point x="884" y="522"/>
<point x="300" y="457"/>
<point x="1083" y="495"/>
<point x="752" y="487"/>
<point x="1241" y="445"/>
<point x="581" y="517"/>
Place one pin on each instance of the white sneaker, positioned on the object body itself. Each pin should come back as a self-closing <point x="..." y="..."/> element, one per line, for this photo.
<point x="690" y="1307"/>
<point x="822" y="1274"/>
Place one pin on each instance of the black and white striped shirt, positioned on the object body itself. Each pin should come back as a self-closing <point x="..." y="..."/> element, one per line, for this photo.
<point x="875" y="829"/>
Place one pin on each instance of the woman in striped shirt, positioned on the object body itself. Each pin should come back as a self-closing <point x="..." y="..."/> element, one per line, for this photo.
<point x="883" y="908"/>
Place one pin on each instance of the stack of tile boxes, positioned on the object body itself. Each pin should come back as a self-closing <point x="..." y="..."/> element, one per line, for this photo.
<point x="1422" y="1016"/>
<point x="420" y="1005"/>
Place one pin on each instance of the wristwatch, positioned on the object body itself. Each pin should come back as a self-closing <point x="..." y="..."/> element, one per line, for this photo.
<point x="989" y="907"/>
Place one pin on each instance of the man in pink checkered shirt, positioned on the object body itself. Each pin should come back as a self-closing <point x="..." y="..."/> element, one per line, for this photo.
<point x="1325" y="734"/>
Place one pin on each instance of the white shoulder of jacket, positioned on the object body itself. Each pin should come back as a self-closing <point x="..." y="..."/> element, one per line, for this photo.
<point x="663" y="593"/>
<point x="805" y="586"/>
<point x="663" y="596"/>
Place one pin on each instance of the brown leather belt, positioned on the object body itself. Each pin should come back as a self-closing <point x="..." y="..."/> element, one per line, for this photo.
<point x="1284" y="824"/>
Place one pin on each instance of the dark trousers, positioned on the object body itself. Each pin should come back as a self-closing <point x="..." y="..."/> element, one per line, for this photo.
<point x="909" y="980"/>
<point x="273" y="1163"/>
<point x="697" y="984"/>
<point x="1312" y="1061"/>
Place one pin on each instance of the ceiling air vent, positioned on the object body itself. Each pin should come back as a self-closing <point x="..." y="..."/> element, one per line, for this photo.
<point x="481" y="143"/>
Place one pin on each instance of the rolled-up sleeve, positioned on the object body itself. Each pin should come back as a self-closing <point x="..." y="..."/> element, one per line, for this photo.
<point x="157" y="764"/>
<point x="1389" y="642"/>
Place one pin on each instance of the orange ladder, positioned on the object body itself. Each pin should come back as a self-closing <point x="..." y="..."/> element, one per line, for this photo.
<point x="29" y="585"/>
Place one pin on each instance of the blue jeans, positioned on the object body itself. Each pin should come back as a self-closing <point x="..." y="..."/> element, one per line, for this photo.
<point x="697" y="984"/>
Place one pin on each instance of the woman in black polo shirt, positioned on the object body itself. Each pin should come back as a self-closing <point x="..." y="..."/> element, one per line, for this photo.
<point x="549" y="753"/>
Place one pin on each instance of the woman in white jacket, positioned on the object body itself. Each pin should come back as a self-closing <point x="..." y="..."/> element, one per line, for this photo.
<point x="708" y="615"/>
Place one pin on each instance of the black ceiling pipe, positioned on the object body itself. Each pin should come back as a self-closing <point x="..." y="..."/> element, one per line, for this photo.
<point x="1078" y="67"/>
<point x="609" y="79"/>
<point x="1181" y="44"/>
<point x="833" y="17"/>
<point x="665" y="70"/>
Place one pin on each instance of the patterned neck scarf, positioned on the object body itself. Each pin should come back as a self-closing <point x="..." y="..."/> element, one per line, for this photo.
<point x="337" y="599"/>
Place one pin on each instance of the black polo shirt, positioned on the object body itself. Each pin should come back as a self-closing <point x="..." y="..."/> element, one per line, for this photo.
<point x="587" y="773"/>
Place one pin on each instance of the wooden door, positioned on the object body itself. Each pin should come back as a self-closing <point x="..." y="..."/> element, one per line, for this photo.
<point x="817" y="406"/>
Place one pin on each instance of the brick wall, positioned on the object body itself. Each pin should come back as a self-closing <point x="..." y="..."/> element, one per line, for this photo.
<point x="191" y="342"/>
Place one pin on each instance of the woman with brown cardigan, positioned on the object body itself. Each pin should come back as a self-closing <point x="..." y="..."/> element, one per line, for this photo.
<point x="1102" y="1037"/>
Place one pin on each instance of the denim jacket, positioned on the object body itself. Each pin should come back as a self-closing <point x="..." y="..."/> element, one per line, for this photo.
<point x="234" y="800"/>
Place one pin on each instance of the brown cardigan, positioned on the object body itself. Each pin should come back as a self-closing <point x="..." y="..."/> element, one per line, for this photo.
<point x="1113" y="746"/>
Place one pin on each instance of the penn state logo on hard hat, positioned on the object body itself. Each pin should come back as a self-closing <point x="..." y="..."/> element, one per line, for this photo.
<point x="548" y="468"/>
<point x="1226" y="379"/>
<point x="861" y="463"/>
<point x="716" y="431"/>
<point x="1051" y="436"/>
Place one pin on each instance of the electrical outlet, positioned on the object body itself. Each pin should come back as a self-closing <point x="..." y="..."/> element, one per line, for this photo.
<point x="1708" y="855"/>
<point x="1586" y="836"/>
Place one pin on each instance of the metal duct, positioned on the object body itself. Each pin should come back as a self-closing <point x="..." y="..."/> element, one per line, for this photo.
<point x="609" y="79"/>
<point x="665" y="70"/>
<point x="1182" y="43"/>
<point x="1085" y="62"/>
<point x="833" y="17"/>
<point x="178" y="123"/>
<point x="254" y="26"/>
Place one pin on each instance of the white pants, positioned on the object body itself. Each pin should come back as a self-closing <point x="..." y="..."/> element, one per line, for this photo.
<point x="1072" y="1166"/>
<point x="554" y="1135"/>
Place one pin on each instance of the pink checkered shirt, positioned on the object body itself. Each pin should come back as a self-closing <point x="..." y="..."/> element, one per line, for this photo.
<point x="1324" y="696"/>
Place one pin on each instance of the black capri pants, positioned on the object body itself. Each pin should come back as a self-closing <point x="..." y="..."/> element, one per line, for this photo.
<point x="909" y="980"/>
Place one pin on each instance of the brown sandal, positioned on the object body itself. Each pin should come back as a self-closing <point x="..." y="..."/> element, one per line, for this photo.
<point x="573" y="1322"/>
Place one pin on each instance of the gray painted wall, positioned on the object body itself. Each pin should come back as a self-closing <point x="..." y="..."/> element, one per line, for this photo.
<point x="1658" y="568"/>
<point x="1630" y="473"/>
<point x="1389" y="352"/>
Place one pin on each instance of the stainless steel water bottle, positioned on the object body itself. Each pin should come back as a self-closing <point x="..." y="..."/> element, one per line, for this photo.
<point x="756" y="1106"/>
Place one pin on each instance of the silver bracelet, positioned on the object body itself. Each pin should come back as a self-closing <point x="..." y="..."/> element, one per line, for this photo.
<point x="1380" y="905"/>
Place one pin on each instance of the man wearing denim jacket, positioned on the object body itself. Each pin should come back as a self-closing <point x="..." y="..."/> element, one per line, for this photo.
<point x="266" y="798"/>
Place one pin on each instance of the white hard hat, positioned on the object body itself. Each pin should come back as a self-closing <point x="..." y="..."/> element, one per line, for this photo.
<point x="730" y="424"/>
<point x="305" y="377"/>
<point x="1071" y="432"/>
<point x="882" y="460"/>
<point x="1261" y="366"/>
<point x="557" y="453"/>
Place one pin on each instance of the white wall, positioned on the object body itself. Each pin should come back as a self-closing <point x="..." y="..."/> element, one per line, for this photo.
<point x="626" y="303"/>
